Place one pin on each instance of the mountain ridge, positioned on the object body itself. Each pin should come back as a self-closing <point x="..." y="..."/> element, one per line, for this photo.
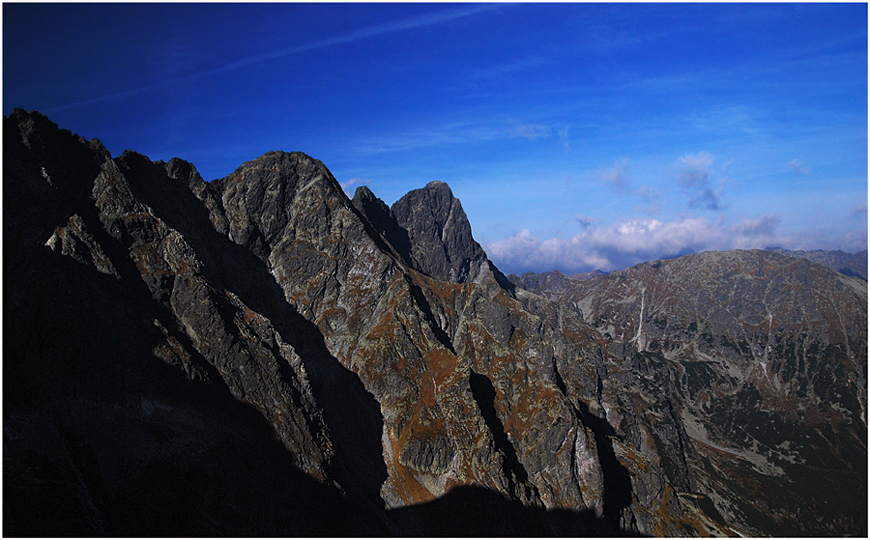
<point x="172" y="335"/>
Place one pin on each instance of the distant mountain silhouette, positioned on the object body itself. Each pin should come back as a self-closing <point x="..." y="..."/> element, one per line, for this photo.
<point x="849" y="264"/>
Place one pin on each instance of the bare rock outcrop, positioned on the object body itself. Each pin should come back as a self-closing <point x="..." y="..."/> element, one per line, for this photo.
<point x="748" y="365"/>
<point x="261" y="355"/>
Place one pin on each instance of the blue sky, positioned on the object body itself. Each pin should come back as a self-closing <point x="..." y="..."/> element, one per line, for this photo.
<point x="577" y="136"/>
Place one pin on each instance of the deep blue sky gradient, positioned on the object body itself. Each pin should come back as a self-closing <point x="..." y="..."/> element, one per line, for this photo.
<point x="577" y="136"/>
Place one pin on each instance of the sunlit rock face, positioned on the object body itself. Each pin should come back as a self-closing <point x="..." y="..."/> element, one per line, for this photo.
<point x="261" y="355"/>
<point x="758" y="361"/>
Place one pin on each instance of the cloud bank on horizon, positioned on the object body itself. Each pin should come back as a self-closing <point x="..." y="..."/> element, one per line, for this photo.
<point x="629" y="242"/>
<point x="634" y="239"/>
<point x="577" y="136"/>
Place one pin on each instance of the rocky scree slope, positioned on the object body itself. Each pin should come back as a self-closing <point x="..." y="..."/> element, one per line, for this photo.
<point x="260" y="355"/>
<point x="761" y="359"/>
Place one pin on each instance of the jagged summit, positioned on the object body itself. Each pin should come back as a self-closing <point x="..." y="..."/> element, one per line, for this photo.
<point x="384" y="223"/>
<point x="439" y="233"/>
<point x="430" y="232"/>
<point x="261" y="356"/>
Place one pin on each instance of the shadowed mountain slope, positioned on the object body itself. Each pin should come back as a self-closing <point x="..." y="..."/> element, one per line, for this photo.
<point x="260" y="355"/>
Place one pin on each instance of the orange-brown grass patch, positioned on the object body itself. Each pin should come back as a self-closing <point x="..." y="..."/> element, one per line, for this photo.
<point x="663" y="512"/>
<point x="407" y="486"/>
<point x="427" y="392"/>
<point x="442" y="366"/>
<point x="251" y="316"/>
<point x="518" y="340"/>
<point x="446" y="295"/>
<point x="531" y="402"/>
<point x="516" y="309"/>
<point x="385" y="328"/>
<point x="631" y="458"/>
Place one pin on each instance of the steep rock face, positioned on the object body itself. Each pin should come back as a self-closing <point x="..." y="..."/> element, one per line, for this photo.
<point x="274" y="296"/>
<point x="761" y="360"/>
<point x="137" y="385"/>
<point x="439" y="234"/>
<point x="259" y="355"/>
<point x="384" y="222"/>
<point x="553" y="283"/>
<point x="545" y="453"/>
<point x="411" y="340"/>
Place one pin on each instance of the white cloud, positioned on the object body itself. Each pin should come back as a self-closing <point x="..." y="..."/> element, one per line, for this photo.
<point x="346" y="186"/>
<point x="649" y="194"/>
<point x="651" y="198"/>
<point x="617" y="177"/>
<point x="525" y="252"/>
<point x="632" y="241"/>
<point x="707" y="198"/>
<point x="765" y="225"/>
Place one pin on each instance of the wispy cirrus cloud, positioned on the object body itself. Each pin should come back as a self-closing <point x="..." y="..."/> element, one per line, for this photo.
<point x="411" y="23"/>
<point x="531" y="131"/>
<point x="797" y="166"/>
<point x="563" y="136"/>
<point x="349" y="188"/>
<point x="616" y="176"/>
<point x="481" y="130"/>
<point x="511" y="68"/>
<point x="445" y="134"/>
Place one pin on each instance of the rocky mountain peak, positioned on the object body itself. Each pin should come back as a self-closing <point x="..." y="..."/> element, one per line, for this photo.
<point x="36" y="131"/>
<point x="369" y="204"/>
<point x="384" y="223"/>
<point x="439" y="233"/>
<point x="265" y="194"/>
<point x="261" y="356"/>
<point x="180" y="169"/>
<point x="550" y="282"/>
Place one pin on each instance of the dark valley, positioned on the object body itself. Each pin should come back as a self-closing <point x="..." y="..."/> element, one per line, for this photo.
<point x="261" y="355"/>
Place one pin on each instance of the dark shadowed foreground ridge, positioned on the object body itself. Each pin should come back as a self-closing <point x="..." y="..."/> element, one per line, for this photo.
<point x="262" y="356"/>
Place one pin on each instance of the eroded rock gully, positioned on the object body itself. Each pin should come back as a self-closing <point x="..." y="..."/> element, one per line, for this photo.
<point x="261" y="355"/>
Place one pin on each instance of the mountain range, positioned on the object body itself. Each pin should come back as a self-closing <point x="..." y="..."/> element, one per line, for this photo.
<point x="261" y="355"/>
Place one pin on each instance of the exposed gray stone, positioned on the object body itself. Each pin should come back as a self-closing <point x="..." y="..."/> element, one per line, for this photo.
<point x="260" y="355"/>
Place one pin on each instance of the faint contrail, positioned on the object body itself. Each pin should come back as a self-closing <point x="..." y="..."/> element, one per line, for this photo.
<point x="398" y="26"/>
<point x="419" y="21"/>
